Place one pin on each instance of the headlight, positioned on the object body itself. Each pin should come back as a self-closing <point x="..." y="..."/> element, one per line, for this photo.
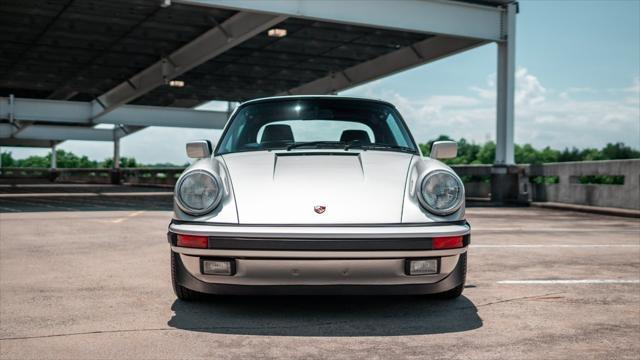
<point x="198" y="192"/>
<point x="441" y="192"/>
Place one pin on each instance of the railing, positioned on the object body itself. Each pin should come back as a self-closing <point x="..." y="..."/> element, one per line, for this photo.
<point x="610" y="183"/>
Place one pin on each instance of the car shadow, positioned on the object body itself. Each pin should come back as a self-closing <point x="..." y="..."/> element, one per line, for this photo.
<point x="326" y="315"/>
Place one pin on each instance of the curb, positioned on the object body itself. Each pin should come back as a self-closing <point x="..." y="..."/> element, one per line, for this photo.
<point x="589" y="209"/>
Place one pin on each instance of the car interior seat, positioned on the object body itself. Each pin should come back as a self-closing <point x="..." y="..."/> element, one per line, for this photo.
<point x="361" y="136"/>
<point x="277" y="133"/>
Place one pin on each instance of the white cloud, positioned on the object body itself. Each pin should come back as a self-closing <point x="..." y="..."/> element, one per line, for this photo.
<point x="529" y="91"/>
<point x="544" y="117"/>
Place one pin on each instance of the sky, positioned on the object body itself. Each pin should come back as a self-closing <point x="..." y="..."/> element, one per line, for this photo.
<point x="577" y="85"/>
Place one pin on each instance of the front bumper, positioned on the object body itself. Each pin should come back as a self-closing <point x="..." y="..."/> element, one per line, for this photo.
<point x="319" y="259"/>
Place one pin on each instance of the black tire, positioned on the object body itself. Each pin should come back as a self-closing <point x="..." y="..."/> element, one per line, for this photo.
<point x="181" y="292"/>
<point x="456" y="291"/>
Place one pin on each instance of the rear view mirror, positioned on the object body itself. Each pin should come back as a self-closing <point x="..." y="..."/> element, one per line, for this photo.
<point x="444" y="150"/>
<point x="199" y="149"/>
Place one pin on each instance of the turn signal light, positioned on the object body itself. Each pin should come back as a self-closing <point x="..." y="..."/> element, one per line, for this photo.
<point x="447" y="242"/>
<point x="193" y="241"/>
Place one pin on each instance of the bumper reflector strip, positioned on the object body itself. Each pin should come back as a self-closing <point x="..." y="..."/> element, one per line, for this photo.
<point x="447" y="242"/>
<point x="193" y="241"/>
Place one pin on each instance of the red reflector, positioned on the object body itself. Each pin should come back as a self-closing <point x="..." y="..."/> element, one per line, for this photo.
<point x="193" y="241"/>
<point x="448" y="242"/>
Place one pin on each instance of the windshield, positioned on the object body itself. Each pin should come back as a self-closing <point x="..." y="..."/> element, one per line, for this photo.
<point x="316" y="123"/>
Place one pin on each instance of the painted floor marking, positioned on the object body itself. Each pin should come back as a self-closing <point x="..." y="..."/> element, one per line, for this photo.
<point x="133" y="214"/>
<point x="571" y="282"/>
<point x="554" y="245"/>
<point x="554" y="230"/>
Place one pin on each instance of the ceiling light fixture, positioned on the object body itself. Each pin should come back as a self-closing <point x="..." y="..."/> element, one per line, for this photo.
<point x="176" y="83"/>
<point x="276" y="32"/>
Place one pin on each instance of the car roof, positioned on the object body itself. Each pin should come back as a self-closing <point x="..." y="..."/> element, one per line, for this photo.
<point x="330" y="97"/>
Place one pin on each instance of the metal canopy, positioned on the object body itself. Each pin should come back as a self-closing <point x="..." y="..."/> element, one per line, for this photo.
<point x="104" y="54"/>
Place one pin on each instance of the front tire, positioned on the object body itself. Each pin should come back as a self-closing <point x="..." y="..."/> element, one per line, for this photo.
<point x="456" y="291"/>
<point x="181" y="292"/>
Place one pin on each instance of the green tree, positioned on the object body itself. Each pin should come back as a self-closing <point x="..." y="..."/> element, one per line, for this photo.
<point x="570" y="155"/>
<point x="619" y="151"/>
<point x="487" y="153"/>
<point x="67" y="159"/>
<point x="7" y="160"/>
<point x="34" y="162"/>
<point x="470" y="153"/>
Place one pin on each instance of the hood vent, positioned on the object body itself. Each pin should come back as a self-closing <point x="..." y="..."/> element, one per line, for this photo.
<point x="318" y="153"/>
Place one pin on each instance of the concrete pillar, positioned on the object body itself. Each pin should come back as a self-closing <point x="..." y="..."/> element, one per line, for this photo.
<point x="54" y="157"/>
<point x="116" y="153"/>
<point x="506" y="89"/>
<point x="505" y="177"/>
<point x="115" y="167"/>
<point x="230" y="107"/>
<point x="53" y="171"/>
<point x="509" y="185"/>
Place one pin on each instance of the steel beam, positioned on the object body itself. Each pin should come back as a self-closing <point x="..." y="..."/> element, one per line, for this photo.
<point x="237" y="29"/>
<point x="76" y="112"/>
<point x="417" y="54"/>
<point x="6" y="130"/>
<point x="452" y="18"/>
<point x="56" y="133"/>
<point x="137" y="115"/>
<point x="24" y="142"/>
<point x="505" y="90"/>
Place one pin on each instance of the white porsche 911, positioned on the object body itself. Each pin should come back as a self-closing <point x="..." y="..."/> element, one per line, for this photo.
<point x="318" y="195"/>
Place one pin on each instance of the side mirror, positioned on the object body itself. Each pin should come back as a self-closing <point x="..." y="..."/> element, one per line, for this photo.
<point x="199" y="149"/>
<point x="444" y="150"/>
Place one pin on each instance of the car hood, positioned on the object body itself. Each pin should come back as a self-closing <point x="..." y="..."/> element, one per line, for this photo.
<point x="354" y="187"/>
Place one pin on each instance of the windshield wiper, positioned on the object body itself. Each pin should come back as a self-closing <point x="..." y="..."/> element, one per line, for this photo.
<point x="314" y="143"/>
<point x="379" y="147"/>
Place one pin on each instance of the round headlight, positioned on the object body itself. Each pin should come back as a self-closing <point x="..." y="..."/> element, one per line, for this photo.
<point x="441" y="192"/>
<point x="198" y="192"/>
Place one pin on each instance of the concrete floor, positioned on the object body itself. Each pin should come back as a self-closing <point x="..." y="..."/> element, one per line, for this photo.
<point x="95" y="284"/>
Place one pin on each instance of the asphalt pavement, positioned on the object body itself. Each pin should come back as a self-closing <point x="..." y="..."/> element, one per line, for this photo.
<point x="95" y="283"/>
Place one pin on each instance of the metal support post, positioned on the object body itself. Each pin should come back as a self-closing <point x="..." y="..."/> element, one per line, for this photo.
<point x="115" y="167"/>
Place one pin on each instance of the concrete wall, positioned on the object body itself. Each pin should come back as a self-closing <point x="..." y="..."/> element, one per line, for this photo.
<point x="477" y="184"/>
<point x="570" y="191"/>
<point x="477" y="180"/>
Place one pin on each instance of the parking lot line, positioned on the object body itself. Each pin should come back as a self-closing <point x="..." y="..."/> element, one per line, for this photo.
<point x="521" y="230"/>
<point x="571" y="282"/>
<point x="555" y="246"/>
<point x="133" y="214"/>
